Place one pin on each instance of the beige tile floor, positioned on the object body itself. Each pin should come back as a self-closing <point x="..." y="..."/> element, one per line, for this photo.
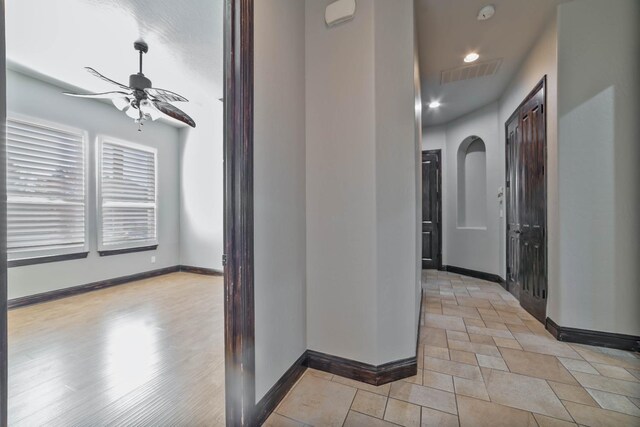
<point x="483" y="361"/>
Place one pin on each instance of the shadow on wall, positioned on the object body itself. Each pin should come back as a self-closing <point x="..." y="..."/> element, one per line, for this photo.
<point x="472" y="183"/>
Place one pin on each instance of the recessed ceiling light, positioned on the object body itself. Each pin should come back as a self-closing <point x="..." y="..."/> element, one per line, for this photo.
<point x="434" y="104"/>
<point x="471" y="57"/>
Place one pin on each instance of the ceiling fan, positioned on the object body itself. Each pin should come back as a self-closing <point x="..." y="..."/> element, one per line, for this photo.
<point x="139" y="100"/>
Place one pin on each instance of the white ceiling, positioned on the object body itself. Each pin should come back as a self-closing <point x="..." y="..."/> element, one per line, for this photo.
<point x="56" y="39"/>
<point x="448" y="30"/>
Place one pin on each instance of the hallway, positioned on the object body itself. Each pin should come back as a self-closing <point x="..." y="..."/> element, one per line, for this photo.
<point x="483" y="361"/>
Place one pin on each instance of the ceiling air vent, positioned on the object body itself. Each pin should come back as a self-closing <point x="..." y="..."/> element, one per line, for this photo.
<point x="471" y="71"/>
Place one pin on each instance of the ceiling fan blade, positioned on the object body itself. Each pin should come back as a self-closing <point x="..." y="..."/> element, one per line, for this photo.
<point x="106" y="79"/>
<point x="165" y="95"/>
<point x="174" y="112"/>
<point x="102" y="95"/>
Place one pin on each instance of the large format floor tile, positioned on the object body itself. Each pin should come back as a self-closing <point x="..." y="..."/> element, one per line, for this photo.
<point x="523" y="392"/>
<point x="483" y="361"/>
<point x="537" y="365"/>
<point x="318" y="402"/>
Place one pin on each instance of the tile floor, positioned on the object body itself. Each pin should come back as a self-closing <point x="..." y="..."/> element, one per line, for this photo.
<point x="483" y="361"/>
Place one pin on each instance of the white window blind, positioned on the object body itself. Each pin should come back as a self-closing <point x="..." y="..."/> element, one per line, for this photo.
<point x="46" y="189"/>
<point x="127" y="195"/>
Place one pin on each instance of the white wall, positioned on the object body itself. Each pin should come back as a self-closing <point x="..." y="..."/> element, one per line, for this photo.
<point x="598" y="156"/>
<point x="341" y="223"/>
<point x="38" y="99"/>
<point x="279" y="189"/>
<point x="475" y="248"/>
<point x="201" y="163"/>
<point x="417" y="163"/>
<point x="397" y="170"/>
<point x="361" y="182"/>
<point x="202" y="187"/>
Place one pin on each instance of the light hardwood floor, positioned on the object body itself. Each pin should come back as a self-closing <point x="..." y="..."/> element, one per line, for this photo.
<point x="146" y="353"/>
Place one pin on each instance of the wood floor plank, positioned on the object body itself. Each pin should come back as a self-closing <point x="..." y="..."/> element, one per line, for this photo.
<point x="147" y="353"/>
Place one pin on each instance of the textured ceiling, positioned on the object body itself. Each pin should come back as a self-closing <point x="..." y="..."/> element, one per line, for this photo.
<point x="448" y="30"/>
<point x="57" y="38"/>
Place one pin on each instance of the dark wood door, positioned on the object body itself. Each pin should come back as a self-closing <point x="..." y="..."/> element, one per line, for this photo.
<point x="431" y="210"/>
<point x="513" y="214"/>
<point x="527" y="203"/>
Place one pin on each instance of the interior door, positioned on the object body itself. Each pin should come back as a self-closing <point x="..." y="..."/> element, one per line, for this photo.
<point x="527" y="203"/>
<point x="431" y="210"/>
<point x="513" y="173"/>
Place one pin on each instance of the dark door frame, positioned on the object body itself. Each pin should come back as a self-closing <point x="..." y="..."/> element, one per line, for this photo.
<point x="542" y="84"/>
<point x="3" y="224"/>
<point x="438" y="154"/>
<point x="238" y="213"/>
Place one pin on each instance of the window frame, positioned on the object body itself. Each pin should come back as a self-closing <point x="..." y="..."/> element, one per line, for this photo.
<point x="40" y="256"/>
<point x="124" y="247"/>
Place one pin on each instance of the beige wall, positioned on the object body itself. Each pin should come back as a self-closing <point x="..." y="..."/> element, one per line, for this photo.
<point x="361" y="183"/>
<point x="598" y="157"/>
<point x="279" y="189"/>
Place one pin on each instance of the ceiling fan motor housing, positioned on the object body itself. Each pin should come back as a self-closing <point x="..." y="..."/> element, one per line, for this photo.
<point x="139" y="81"/>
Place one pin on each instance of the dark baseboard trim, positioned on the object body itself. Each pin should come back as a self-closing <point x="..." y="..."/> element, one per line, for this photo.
<point x="363" y="372"/>
<point x="474" y="273"/>
<point x="81" y="289"/>
<point x="596" y="338"/>
<point x="274" y="396"/>
<point x="419" y="320"/>
<point x="370" y="374"/>
<point x="45" y="259"/>
<point x="75" y="290"/>
<point x="201" y="270"/>
<point x="110" y="252"/>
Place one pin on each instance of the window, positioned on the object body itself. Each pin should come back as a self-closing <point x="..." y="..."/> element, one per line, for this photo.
<point x="127" y="198"/>
<point x="46" y="191"/>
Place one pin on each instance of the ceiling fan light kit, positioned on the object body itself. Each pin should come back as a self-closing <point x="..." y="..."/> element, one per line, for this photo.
<point x="140" y="100"/>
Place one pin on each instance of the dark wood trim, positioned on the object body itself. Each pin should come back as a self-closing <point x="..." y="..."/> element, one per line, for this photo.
<point x="384" y="373"/>
<point x="596" y="338"/>
<point x="438" y="153"/>
<point x="201" y="270"/>
<point x="3" y="224"/>
<point x="238" y="213"/>
<point x="81" y="289"/>
<point x="268" y="403"/>
<point x="363" y="372"/>
<point x="127" y="250"/>
<point x="542" y="84"/>
<point x="474" y="273"/>
<point x="419" y="319"/>
<point x="45" y="259"/>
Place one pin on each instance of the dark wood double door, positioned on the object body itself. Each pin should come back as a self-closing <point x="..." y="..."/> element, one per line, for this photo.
<point x="526" y="203"/>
